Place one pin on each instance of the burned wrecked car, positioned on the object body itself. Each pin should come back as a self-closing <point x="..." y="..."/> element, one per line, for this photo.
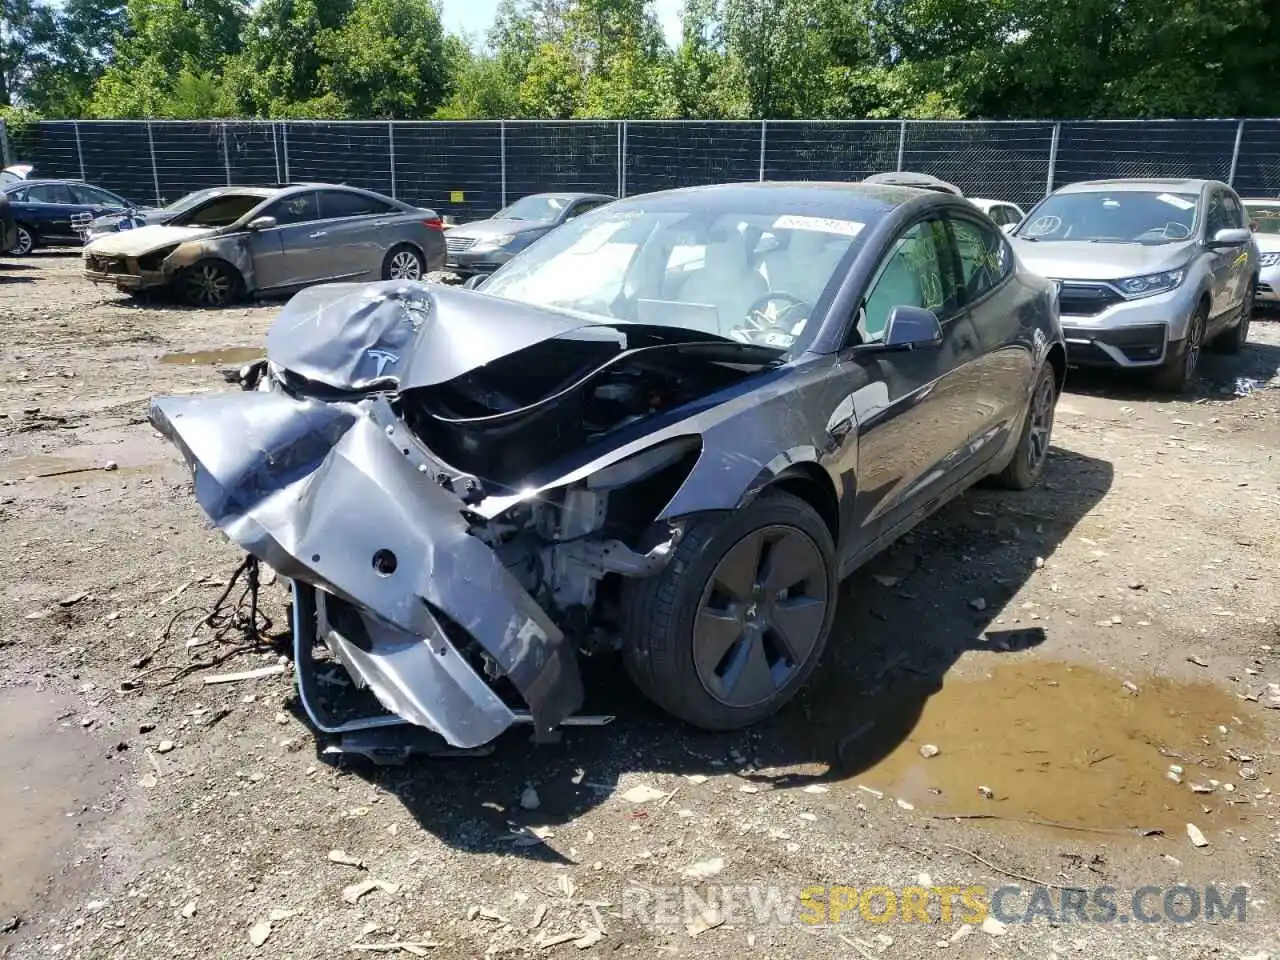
<point x="666" y="430"/>
<point x="270" y="240"/>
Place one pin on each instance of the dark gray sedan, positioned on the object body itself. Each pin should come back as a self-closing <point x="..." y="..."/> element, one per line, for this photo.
<point x="669" y="428"/>
<point x="481" y="246"/>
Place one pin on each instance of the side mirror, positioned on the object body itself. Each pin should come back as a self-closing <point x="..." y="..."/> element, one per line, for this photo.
<point x="474" y="281"/>
<point x="912" y="328"/>
<point x="262" y="223"/>
<point x="1230" y="237"/>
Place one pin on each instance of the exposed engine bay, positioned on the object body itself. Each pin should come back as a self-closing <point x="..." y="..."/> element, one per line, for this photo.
<point x="486" y="509"/>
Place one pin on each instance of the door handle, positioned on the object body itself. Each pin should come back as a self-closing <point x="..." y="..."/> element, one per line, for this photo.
<point x="318" y="234"/>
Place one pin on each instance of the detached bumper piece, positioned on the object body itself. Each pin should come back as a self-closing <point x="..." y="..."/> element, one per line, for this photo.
<point x="342" y="500"/>
<point x="1133" y="346"/>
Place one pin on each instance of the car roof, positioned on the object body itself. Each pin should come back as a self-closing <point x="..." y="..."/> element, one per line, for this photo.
<point x="570" y="195"/>
<point x="845" y="199"/>
<point x="1185" y="184"/>
<point x="908" y="178"/>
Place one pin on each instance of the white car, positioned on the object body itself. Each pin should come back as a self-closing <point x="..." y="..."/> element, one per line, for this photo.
<point x="1264" y="218"/>
<point x="1005" y="214"/>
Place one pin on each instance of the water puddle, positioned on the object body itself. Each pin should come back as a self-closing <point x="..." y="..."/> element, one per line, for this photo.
<point x="1065" y="744"/>
<point x="223" y="355"/>
<point x="52" y="773"/>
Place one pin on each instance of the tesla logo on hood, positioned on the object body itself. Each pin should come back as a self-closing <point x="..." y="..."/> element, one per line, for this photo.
<point x="382" y="359"/>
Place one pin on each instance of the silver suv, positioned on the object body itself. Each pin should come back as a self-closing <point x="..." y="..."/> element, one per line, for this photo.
<point x="1150" y="271"/>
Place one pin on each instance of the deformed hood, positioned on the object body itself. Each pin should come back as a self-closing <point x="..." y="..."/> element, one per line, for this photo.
<point x="404" y="334"/>
<point x="144" y="240"/>
<point x="1085" y="260"/>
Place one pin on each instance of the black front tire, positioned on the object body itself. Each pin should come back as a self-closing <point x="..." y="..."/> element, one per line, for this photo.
<point x="1032" y="453"/>
<point x="659" y="613"/>
<point x="1179" y="370"/>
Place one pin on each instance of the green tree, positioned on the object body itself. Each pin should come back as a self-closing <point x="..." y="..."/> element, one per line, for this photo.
<point x="387" y="60"/>
<point x="27" y="40"/>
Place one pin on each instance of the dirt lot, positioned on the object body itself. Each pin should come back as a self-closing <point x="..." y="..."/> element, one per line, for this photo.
<point x="1061" y="650"/>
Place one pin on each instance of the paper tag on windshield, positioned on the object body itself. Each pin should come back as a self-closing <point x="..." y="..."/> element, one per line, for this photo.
<point x="844" y="228"/>
<point x="1178" y="202"/>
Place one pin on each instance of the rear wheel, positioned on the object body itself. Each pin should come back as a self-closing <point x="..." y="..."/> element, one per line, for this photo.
<point x="25" y="243"/>
<point x="1180" y="370"/>
<point x="403" y="263"/>
<point x="1233" y="340"/>
<point x="210" y="284"/>
<point x="732" y="628"/>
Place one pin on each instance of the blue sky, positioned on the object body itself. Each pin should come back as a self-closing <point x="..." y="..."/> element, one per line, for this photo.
<point x="475" y="16"/>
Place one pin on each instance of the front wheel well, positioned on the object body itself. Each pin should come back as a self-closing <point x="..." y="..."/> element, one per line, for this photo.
<point x="1058" y="358"/>
<point x="810" y="483"/>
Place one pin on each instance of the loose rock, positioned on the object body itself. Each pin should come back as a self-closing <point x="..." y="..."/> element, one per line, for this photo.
<point x="529" y="799"/>
<point x="259" y="932"/>
<point x="1195" y="836"/>
<point x="929" y="750"/>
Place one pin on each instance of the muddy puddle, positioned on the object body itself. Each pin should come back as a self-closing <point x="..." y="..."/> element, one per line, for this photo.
<point x="221" y="356"/>
<point x="1066" y="745"/>
<point x="53" y="771"/>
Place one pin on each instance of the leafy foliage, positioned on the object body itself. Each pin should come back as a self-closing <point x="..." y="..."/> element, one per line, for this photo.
<point x="608" y="58"/>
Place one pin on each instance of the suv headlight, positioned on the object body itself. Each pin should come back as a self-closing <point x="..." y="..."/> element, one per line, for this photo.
<point x="1269" y="260"/>
<point x="1150" y="284"/>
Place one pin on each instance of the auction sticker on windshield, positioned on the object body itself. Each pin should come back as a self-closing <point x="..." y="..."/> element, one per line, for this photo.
<point x="1180" y="202"/>
<point x="844" y="228"/>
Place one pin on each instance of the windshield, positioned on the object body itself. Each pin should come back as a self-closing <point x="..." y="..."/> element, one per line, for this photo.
<point x="541" y="209"/>
<point x="1125" y="216"/>
<point x="1265" y="218"/>
<point x="221" y="211"/>
<point x="750" y="276"/>
<point x="191" y="199"/>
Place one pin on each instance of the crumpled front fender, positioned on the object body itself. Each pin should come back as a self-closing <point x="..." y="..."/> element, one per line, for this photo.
<point x="327" y="495"/>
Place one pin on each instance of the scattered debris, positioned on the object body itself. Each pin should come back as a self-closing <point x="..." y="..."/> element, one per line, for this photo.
<point x="704" y="869"/>
<point x="72" y="600"/>
<point x="355" y="891"/>
<point x="993" y="927"/>
<point x="259" y="932"/>
<point x="905" y="805"/>
<point x="346" y="859"/>
<point x="484" y="913"/>
<point x="643" y="794"/>
<point x="818" y="788"/>
<point x="165" y="746"/>
<point x="708" y="918"/>
<point x="978" y="604"/>
<point x="270" y="671"/>
<point x="589" y="939"/>
<point x="280" y="915"/>
<point x="1131" y="687"/>
<point x="696" y="778"/>
<point x="565" y="884"/>
<point x="418" y="948"/>
<point x="189" y="909"/>
<point x="1248" y="773"/>
<point x="929" y="751"/>
<point x="960" y="934"/>
<point x="529" y="799"/>
<point x="986" y="793"/>
<point x="1195" y="836"/>
<point x="1197" y="661"/>
<point x="539" y="915"/>
<point x="110" y="465"/>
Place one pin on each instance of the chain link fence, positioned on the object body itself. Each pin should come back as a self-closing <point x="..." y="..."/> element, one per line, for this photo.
<point x="470" y="169"/>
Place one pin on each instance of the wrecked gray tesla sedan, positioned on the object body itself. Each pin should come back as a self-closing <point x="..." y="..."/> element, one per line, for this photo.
<point x="667" y="429"/>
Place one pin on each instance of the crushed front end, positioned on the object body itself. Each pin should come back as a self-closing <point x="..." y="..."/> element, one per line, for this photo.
<point x="441" y="552"/>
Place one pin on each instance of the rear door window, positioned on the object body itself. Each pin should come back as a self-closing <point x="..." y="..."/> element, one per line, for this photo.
<point x="49" y="193"/>
<point x="340" y="203"/>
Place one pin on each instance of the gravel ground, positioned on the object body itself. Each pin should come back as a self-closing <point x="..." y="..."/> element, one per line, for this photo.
<point x="1008" y="700"/>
